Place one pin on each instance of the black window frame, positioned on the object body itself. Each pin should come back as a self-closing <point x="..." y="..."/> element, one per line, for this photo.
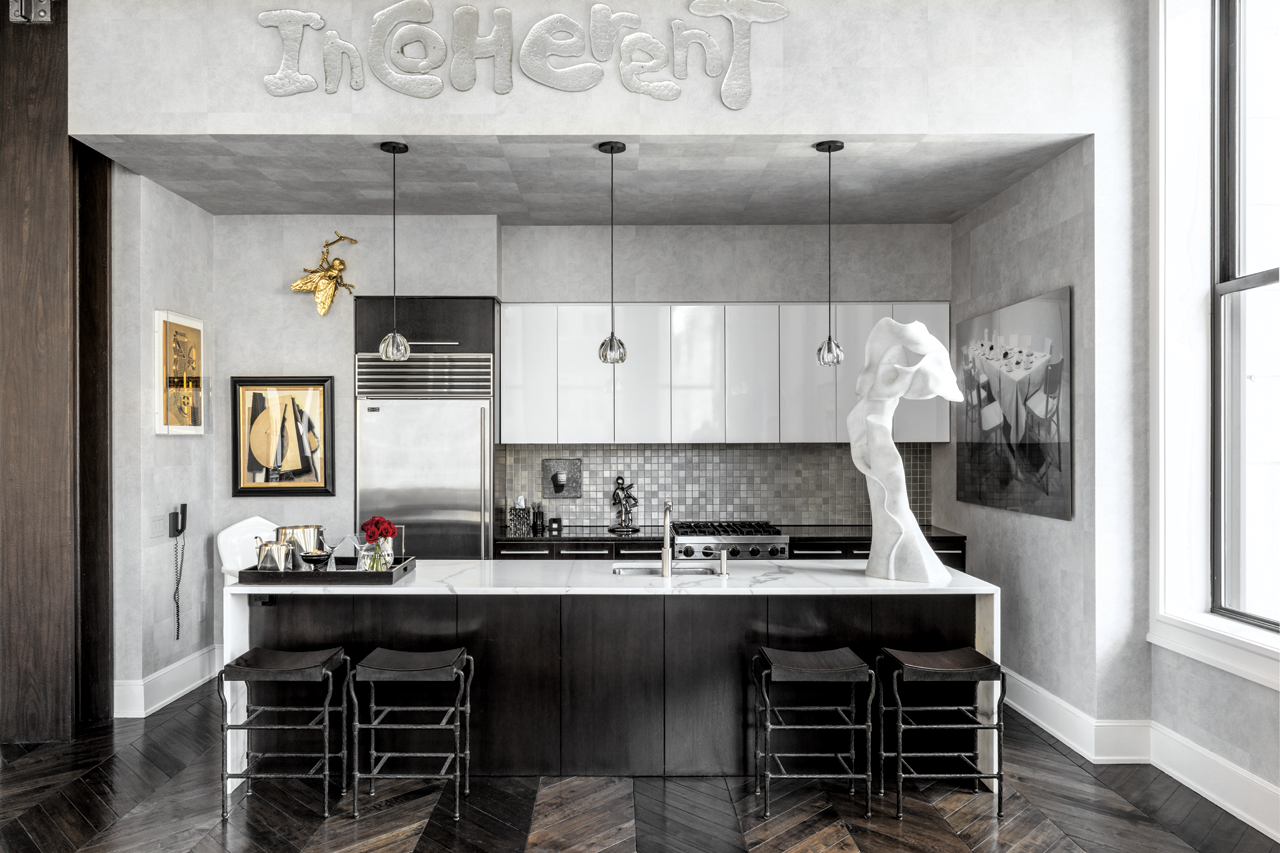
<point x="1226" y="247"/>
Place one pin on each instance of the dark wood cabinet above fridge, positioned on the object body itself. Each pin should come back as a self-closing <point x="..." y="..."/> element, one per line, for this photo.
<point x="431" y="324"/>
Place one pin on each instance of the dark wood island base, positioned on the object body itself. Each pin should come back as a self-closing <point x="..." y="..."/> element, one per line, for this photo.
<point x="619" y="684"/>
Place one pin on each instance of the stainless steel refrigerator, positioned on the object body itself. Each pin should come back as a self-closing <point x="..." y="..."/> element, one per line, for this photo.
<point x="427" y="466"/>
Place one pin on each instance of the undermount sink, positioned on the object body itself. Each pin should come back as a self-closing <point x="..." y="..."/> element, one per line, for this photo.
<point x="654" y="567"/>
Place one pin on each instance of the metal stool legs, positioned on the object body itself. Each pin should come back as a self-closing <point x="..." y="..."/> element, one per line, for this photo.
<point x="766" y="712"/>
<point x="455" y="718"/>
<point x="972" y="723"/>
<point x="318" y="723"/>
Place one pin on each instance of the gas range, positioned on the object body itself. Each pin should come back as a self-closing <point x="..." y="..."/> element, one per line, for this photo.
<point x="744" y="540"/>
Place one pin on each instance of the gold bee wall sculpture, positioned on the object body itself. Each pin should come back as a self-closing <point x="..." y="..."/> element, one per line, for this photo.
<point x="325" y="280"/>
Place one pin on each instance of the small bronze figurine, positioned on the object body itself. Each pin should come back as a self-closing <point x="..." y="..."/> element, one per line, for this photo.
<point x="625" y="501"/>
<point x="326" y="279"/>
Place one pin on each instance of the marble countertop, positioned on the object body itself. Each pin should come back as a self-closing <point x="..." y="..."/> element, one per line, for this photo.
<point x="596" y="577"/>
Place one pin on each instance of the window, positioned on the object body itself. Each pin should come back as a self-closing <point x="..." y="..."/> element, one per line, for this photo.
<point x="1246" y="306"/>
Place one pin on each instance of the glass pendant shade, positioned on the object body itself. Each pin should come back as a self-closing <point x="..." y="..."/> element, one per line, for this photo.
<point x="394" y="348"/>
<point x="830" y="353"/>
<point x="613" y="350"/>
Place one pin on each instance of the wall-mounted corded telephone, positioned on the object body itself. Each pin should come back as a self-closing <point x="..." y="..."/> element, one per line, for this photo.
<point x="178" y="528"/>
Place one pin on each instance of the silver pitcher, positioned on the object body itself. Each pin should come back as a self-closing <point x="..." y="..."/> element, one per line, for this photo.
<point x="274" y="556"/>
<point x="306" y="538"/>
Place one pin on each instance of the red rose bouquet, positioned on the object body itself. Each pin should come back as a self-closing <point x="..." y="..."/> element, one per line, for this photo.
<point x="378" y="533"/>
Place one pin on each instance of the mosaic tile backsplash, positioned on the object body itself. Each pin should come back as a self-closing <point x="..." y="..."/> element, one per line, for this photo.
<point x="781" y="483"/>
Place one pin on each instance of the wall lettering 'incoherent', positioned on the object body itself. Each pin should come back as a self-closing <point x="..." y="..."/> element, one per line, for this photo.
<point x="404" y="52"/>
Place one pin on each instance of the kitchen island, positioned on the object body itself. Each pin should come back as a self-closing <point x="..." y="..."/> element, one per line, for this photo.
<point x="580" y="671"/>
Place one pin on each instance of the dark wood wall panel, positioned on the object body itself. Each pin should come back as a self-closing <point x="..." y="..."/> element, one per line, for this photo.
<point x="709" y="644"/>
<point x="515" y="698"/>
<point x="93" y="285"/>
<point x="37" y="387"/>
<point x="611" y="651"/>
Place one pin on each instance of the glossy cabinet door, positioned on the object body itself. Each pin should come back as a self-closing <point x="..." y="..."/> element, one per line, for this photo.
<point x="751" y="373"/>
<point x="924" y="420"/>
<point x="584" y="384"/>
<point x="697" y="374"/>
<point x="642" y="384"/>
<point x="528" y="372"/>
<point x="853" y="326"/>
<point x="806" y="390"/>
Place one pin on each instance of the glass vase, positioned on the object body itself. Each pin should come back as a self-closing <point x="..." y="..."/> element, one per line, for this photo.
<point x="376" y="556"/>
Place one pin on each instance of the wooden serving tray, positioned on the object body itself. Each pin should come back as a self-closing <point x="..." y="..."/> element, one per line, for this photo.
<point x="344" y="574"/>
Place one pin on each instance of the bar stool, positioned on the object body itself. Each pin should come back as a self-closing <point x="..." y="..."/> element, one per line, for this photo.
<point x="955" y="665"/>
<point x="835" y="665"/>
<point x="387" y="665"/>
<point x="269" y="665"/>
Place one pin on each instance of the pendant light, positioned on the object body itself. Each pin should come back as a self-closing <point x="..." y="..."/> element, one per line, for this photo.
<point x="612" y="350"/>
<point x="393" y="347"/>
<point x="829" y="354"/>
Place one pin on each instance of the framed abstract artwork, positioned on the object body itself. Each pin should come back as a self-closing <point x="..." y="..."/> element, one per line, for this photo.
<point x="282" y="435"/>
<point x="1014" y="445"/>
<point x="179" y="381"/>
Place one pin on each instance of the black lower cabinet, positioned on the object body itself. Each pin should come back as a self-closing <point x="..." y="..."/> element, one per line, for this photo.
<point x="515" y="698"/>
<point x="611" y="685"/>
<point x="636" y="685"/>
<point x="709" y="644"/>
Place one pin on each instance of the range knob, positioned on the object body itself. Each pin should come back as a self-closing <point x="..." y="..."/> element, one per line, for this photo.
<point x="754" y="551"/>
<point x="687" y="551"/>
<point x="735" y="551"/>
<point x="708" y="551"/>
<point x="773" y="550"/>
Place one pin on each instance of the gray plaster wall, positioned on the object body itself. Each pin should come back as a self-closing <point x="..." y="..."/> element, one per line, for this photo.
<point x="1228" y="715"/>
<point x="726" y="263"/>
<point x="160" y="261"/>
<point x="1031" y="239"/>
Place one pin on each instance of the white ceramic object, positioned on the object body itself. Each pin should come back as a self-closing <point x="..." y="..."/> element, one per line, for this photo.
<point x="236" y="549"/>
<point x="898" y="548"/>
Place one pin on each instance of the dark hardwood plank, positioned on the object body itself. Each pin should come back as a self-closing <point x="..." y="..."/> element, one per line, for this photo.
<point x="515" y="718"/>
<point x="709" y="694"/>
<point x="1224" y="836"/>
<point x="1199" y="822"/>
<point x="603" y="817"/>
<point x="69" y="820"/>
<point x="44" y="832"/>
<point x="14" y="839"/>
<point x="611" y="685"/>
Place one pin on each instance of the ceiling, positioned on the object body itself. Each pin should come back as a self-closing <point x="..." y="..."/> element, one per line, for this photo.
<point x="563" y="180"/>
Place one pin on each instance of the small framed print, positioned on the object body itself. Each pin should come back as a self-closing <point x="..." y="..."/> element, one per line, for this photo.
<point x="179" y="399"/>
<point x="282" y="435"/>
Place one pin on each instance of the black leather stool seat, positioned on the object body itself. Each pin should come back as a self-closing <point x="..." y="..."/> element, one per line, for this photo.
<point x="271" y="665"/>
<point x="389" y="665"/>
<point x="831" y="665"/>
<point x="967" y="664"/>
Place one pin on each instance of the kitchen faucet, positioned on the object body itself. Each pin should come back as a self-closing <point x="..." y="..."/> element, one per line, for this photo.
<point x="666" y="540"/>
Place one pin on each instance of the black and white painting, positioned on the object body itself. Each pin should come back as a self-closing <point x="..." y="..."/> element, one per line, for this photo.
<point x="1014" y="436"/>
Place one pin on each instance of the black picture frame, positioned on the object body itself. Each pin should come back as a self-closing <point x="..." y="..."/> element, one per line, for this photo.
<point x="296" y="469"/>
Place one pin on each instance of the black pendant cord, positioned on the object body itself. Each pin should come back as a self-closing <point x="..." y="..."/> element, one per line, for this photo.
<point x="612" y="329"/>
<point x="828" y="244"/>
<point x="394" y="185"/>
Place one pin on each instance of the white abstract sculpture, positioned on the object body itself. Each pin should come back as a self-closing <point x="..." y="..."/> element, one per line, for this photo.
<point x="898" y="548"/>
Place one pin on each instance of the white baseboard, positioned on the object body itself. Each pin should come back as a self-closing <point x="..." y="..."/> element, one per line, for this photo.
<point x="140" y="698"/>
<point x="1247" y="796"/>
<point x="1100" y="741"/>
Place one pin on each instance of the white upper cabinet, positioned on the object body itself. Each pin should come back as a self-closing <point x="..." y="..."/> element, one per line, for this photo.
<point x="528" y="373"/>
<point x="584" y="384"/>
<point x="807" y="390"/>
<point x="853" y="327"/>
<point x="751" y="373"/>
<point x="924" y="420"/>
<point x="642" y="384"/>
<point x="697" y="374"/>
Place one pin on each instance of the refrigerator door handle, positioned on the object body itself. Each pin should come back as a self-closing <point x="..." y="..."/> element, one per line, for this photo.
<point x="484" y="486"/>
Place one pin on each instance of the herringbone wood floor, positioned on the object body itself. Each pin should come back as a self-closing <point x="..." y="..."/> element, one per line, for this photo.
<point x="152" y="785"/>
